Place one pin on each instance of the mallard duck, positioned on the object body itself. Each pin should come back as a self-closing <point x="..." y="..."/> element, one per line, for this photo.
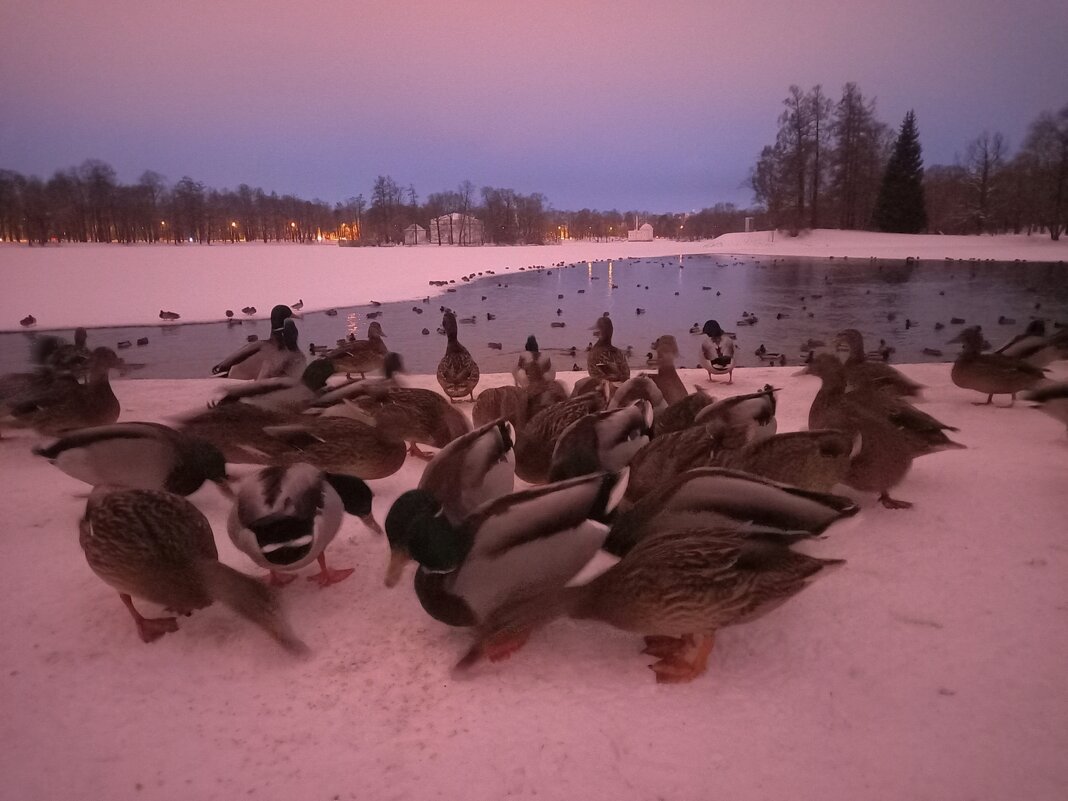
<point x="601" y="441"/>
<point x="677" y="588"/>
<point x="68" y="405"/>
<point x="536" y="436"/>
<point x="471" y="470"/>
<point x="237" y="430"/>
<point x="283" y="518"/>
<point x="668" y="455"/>
<point x="811" y="460"/>
<point x="991" y="373"/>
<point x="457" y="371"/>
<point x="667" y="377"/>
<point x="334" y="444"/>
<point x="863" y="372"/>
<point x="540" y="537"/>
<point x="268" y="358"/>
<point x="754" y="412"/>
<point x="639" y="387"/>
<point x="64" y="357"/>
<point x="682" y="413"/>
<point x="1034" y="347"/>
<point x="361" y="355"/>
<point x="717" y="351"/>
<point x="406" y="413"/>
<point x="720" y="497"/>
<point x="533" y="365"/>
<point x="1051" y="399"/>
<point x="886" y="447"/>
<point x="283" y="394"/>
<point x="138" y="456"/>
<point x="604" y="361"/>
<point x="158" y="546"/>
<point x="496" y="403"/>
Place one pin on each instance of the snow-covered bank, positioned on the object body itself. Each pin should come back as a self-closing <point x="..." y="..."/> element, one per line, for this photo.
<point x="106" y="285"/>
<point x="928" y="667"/>
<point x="824" y="242"/>
<point x="110" y="285"/>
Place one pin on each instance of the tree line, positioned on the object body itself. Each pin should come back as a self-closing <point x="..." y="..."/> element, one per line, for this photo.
<point x="88" y="204"/>
<point x="836" y="165"/>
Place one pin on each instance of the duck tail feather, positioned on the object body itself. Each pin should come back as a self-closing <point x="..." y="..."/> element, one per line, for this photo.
<point x="252" y="600"/>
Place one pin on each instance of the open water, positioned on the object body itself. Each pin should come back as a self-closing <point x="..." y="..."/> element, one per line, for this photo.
<point x="793" y="299"/>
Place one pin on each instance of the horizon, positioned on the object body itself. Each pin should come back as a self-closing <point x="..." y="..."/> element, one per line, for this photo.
<point x="594" y="105"/>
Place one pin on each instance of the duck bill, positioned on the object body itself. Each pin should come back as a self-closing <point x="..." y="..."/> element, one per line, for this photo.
<point x="371" y="523"/>
<point x="398" y="558"/>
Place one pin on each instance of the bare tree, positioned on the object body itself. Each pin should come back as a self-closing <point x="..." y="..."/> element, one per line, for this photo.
<point x="983" y="162"/>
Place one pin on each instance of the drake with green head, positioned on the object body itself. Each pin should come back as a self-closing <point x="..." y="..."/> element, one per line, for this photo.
<point x="535" y="538"/>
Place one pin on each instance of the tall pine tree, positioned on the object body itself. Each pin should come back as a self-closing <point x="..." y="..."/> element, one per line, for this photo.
<point x="900" y="207"/>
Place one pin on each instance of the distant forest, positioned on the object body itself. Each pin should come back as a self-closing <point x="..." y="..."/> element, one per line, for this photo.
<point x="832" y="165"/>
<point x="832" y="161"/>
<point x="88" y="204"/>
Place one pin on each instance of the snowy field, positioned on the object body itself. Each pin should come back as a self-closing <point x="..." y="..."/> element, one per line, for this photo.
<point x="108" y="285"/>
<point x="931" y="666"/>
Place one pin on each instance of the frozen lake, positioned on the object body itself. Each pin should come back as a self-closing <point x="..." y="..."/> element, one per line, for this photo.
<point x="793" y="298"/>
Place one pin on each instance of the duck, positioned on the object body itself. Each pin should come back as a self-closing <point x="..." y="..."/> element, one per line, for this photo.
<point x="157" y="546"/>
<point x="678" y="589"/>
<point x="537" y="434"/>
<point x="534" y="538"/>
<point x="754" y="412"/>
<point x="602" y="441"/>
<point x="861" y="371"/>
<point x="403" y="413"/>
<point x="335" y="444"/>
<point x="260" y="359"/>
<point x="669" y="454"/>
<point x="604" y="361"/>
<point x="169" y="315"/>
<point x="470" y="471"/>
<point x="28" y="321"/>
<point x="298" y="305"/>
<point x="887" y="448"/>
<point x="65" y="357"/>
<point x="682" y="413"/>
<point x="1034" y="347"/>
<point x="138" y="455"/>
<point x="814" y="460"/>
<point x="284" y="517"/>
<point x="68" y="406"/>
<point x="666" y="377"/>
<point x="1052" y="399"/>
<point x="458" y="372"/>
<point x="533" y="365"/>
<point x="283" y="394"/>
<point x="726" y="497"/>
<point x="635" y="388"/>
<point x="361" y="355"/>
<point x="497" y="403"/>
<point x="991" y="373"/>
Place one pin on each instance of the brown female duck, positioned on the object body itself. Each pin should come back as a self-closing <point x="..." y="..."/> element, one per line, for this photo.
<point x="72" y="405"/>
<point x="158" y="546"/>
<point x="991" y="373"/>
<point x="605" y="361"/>
<point x="457" y="371"/>
<point x="361" y="355"/>
<point x="863" y="372"/>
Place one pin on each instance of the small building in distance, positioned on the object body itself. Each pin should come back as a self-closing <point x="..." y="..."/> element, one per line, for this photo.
<point x="643" y="233"/>
<point x="456" y="229"/>
<point x="415" y="234"/>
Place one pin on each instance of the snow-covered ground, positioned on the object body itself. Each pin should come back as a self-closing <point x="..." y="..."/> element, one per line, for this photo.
<point x="108" y="285"/>
<point x="931" y="666"/>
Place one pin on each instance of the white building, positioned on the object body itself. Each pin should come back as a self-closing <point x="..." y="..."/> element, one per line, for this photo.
<point x="456" y="229"/>
<point x="415" y="235"/>
<point x="644" y="233"/>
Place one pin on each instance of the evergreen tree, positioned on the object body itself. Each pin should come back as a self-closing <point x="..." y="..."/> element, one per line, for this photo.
<point x="900" y="208"/>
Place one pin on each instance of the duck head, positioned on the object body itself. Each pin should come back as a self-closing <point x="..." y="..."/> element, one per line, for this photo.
<point x="355" y="496"/>
<point x="448" y="324"/>
<point x="279" y="314"/>
<point x="289" y="334"/>
<point x="532" y="345"/>
<point x="315" y="374"/>
<point x="417" y="529"/>
<point x="206" y="459"/>
<point x="971" y="338"/>
<point x="850" y="339"/>
<point x="604" y="329"/>
<point x="374" y="330"/>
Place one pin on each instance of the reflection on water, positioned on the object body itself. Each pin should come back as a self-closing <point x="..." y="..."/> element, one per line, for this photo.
<point x="793" y="300"/>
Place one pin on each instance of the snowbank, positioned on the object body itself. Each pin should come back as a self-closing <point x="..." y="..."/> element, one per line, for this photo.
<point x="931" y="666"/>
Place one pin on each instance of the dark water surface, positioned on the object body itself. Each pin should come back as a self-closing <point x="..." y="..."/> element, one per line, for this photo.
<point x="794" y="299"/>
